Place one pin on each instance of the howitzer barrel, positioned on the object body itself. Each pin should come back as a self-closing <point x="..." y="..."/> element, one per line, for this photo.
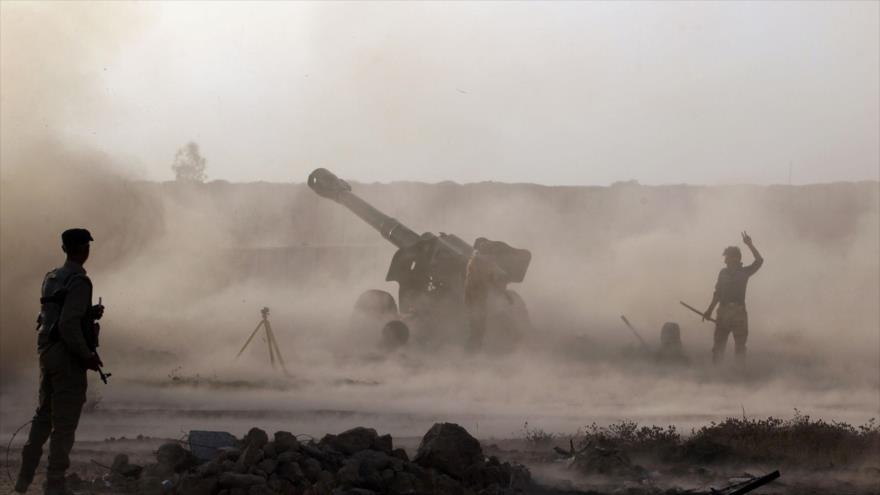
<point x="326" y="184"/>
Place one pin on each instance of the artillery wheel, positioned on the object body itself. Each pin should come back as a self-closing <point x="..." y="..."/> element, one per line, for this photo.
<point x="395" y="334"/>
<point x="376" y="310"/>
<point x="376" y="303"/>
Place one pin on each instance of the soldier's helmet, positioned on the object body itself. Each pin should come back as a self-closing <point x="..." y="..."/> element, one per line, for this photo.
<point x="733" y="252"/>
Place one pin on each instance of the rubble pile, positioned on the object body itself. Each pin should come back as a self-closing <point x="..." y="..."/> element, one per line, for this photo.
<point x="356" y="462"/>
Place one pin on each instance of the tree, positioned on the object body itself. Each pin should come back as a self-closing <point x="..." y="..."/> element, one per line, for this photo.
<point x="189" y="165"/>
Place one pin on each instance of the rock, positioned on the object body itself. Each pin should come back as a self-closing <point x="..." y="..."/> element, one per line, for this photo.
<point x="207" y="445"/>
<point x="402" y="484"/>
<point x="285" y="441"/>
<point x="326" y="478"/>
<point x="290" y="471"/>
<point x="446" y="485"/>
<point x="174" y="456"/>
<point x="374" y="459"/>
<point x="397" y="465"/>
<point x="384" y="444"/>
<point x="449" y="448"/>
<point x="251" y="456"/>
<point x="400" y="454"/>
<point x="356" y="440"/>
<point x="353" y="491"/>
<point x="235" y="480"/>
<point x="268" y="465"/>
<point x="414" y="469"/>
<point x="312" y="450"/>
<point x="291" y="456"/>
<point x="212" y="468"/>
<point x="230" y="453"/>
<point x="387" y="476"/>
<point x="281" y="485"/>
<point x="260" y="490"/>
<point x="192" y="485"/>
<point x="269" y="450"/>
<point x="355" y="462"/>
<point x="364" y="470"/>
<point x="312" y="469"/>
<point x="256" y="437"/>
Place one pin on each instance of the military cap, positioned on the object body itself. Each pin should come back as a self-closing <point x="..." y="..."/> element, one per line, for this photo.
<point x="732" y="251"/>
<point x="76" y="237"/>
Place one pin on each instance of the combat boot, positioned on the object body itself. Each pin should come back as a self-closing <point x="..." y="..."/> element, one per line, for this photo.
<point x="22" y="484"/>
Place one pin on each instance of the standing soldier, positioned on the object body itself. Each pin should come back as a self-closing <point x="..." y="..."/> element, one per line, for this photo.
<point x="730" y="296"/>
<point x="476" y="298"/>
<point x="66" y="311"/>
<point x="482" y="275"/>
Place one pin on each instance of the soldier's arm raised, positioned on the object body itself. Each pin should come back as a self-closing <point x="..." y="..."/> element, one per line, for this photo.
<point x="759" y="260"/>
<point x="76" y="306"/>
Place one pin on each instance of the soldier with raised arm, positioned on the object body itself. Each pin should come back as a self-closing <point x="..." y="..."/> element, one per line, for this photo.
<point x="66" y="312"/>
<point x="730" y="297"/>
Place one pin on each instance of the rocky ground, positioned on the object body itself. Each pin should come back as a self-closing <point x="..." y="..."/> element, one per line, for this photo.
<point x="448" y="460"/>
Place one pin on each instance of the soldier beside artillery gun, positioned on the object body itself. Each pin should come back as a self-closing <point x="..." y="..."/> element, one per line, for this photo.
<point x="446" y="285"/>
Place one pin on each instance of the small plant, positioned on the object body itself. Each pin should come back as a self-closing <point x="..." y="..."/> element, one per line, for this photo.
<point x="800" y="440"/>
<point x="537" y="437"/>
<point x="628" y="435"/>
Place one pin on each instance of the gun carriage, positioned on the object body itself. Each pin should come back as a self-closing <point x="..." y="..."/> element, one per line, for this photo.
<point x="430" y="270"/>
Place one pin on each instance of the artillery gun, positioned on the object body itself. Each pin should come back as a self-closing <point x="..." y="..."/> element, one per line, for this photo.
<point x="430" y="270"/>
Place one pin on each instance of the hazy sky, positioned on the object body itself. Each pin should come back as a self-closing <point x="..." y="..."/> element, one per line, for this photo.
<point x="565" y="93"/>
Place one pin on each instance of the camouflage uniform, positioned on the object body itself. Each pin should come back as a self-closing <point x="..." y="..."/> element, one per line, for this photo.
<point x="65" y="308"/>
<point x="732" y="317"/>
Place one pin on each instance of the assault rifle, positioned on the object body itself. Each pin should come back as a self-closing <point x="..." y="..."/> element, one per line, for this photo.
<point x="91" y="331"/>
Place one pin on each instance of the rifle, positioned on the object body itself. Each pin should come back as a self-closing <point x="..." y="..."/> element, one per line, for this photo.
<point x="748" y="486"/>
<point x="91" y="330"/>
<point x="695" y="310"/>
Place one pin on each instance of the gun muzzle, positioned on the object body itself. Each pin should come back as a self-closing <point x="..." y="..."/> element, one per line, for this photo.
<point x="327" y="185"/>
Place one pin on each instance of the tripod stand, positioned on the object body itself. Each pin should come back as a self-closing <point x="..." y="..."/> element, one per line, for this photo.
<point x="270" y="339"/>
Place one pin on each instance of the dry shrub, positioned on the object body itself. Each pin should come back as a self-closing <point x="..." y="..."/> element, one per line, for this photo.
<point x="800" y="440"/>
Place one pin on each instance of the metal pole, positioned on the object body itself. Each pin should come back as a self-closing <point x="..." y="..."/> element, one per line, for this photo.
<point x="249" y="339"/>
<point x="265" y="323"/>
<point x="274" y="344"/>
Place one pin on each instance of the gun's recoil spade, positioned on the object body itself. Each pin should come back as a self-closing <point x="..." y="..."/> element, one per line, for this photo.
<point x="634" y="331"/>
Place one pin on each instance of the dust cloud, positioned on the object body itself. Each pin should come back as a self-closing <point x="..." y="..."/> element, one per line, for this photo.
<point x="184" y="269"/>
<point x="201" y="260"/>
